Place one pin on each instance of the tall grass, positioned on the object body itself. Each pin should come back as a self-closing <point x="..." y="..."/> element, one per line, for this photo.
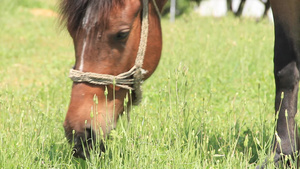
<point x="208" y="105"/>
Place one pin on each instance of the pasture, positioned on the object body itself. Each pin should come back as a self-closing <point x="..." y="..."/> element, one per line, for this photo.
<point x="210" y="103"/>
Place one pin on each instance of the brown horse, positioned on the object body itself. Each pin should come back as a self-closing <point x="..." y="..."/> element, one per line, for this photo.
<point x="106" y="36"/>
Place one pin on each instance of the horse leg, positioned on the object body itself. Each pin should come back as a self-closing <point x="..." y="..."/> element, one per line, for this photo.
<point x="286" y="137"/>
<point x="286" y="72"/>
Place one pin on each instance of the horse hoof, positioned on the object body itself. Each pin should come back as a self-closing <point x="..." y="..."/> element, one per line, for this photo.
<point x="277" y="160"/>
<point x="260" y="167"/>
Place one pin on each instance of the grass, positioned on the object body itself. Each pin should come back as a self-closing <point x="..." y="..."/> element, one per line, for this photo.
<point x="208" y="105"/>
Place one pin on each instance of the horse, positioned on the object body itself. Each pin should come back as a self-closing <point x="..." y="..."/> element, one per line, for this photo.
<point x="286" y="72"/>
<point x="118" y="45"/>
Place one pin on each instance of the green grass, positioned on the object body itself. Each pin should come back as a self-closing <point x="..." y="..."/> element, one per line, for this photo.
<point x="208" y="105"/>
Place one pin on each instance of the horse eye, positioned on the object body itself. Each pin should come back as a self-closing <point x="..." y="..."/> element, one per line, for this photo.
<point x="122" y="35"/>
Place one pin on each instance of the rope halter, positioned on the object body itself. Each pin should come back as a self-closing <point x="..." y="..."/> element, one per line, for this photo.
<point x="132" y="79"/>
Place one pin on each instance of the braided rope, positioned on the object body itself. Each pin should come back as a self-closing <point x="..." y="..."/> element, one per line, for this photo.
<point x="138" y="76"/>
<point x="123" y="80"/>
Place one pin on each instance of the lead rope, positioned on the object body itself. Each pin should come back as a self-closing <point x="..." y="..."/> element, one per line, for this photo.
<point x="123" y="80"/>
<point x="139" y="74"/>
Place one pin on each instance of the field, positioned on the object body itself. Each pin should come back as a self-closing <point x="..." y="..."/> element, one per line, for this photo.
<point x="208" y="105"/>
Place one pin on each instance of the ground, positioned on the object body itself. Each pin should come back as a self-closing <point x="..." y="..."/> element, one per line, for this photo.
<point x="210" y="103"/>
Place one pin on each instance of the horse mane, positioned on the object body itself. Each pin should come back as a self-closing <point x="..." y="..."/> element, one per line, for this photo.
<point x="73" y="11"/>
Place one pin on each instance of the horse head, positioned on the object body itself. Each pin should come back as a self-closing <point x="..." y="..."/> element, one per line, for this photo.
<point x="107" y="38"/>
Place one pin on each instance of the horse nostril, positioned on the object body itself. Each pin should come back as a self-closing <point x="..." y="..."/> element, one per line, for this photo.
<point x="85" y="142"/>
<point x="80" y="152"/>
<point x="74" y="150"/>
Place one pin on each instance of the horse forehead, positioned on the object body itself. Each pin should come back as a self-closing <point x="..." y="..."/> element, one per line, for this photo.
<point x="126" y="12"/>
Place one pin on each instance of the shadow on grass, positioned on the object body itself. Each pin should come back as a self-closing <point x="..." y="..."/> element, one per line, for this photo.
<point x="244" y="141"/>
